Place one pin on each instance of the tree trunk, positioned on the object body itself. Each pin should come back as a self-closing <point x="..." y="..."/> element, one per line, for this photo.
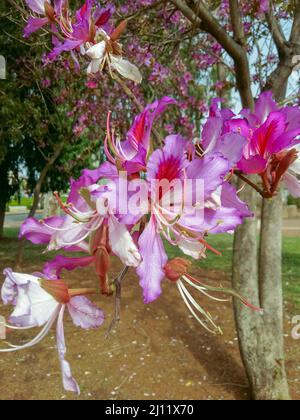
<point x="273" y="378"/>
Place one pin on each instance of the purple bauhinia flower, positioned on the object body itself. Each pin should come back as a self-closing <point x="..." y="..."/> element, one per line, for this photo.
<point x="82" y="31"/>
<point x="40" y="302"/>
<point x="186" y="221"/>
<point x="48" y="14"/>
<point x="263" y="142"/>
<point x="132" y="153"/>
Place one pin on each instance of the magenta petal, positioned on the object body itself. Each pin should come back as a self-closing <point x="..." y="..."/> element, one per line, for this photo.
<point x="69" y="382"/>
<point x="222" y="220"/>
<point x="74" y="197"/>
<point x="33" y="25"/>
<point x="211" y="133"/>
<point x="106" y="170"/>
<point x="211" y="169"/>
<point x="265" y="105"/>
<point x="53" y="269"/>
<point x="253" y="165"/>
<point x="230" y="199"/>
<point x="151" y="270"/>
<point x="168" y="163"/>
<point x="140" y="131"/>
<point x="84" y="313"/>
<point x="286" y="141"/>
<point x="69" y="45"/>
<point x="231" y="146"/>
<point x="39" y="233"/>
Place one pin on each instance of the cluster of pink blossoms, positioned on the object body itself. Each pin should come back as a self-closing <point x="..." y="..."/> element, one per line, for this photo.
<point x="88" y="33"/>
<point x="142" y="198"/>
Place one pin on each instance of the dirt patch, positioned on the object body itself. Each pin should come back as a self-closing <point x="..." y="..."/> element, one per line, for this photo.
<point x="157" y="352"/>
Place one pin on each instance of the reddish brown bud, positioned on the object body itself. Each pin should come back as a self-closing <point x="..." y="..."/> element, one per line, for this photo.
<point x="177" y="268"/>
<point x="57" y="289"/>
<point x="49" y="11"/>
<point x="118" y="31"/>
<point x="281" y="163"/>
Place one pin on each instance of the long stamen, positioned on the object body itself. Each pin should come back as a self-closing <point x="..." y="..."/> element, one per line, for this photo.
<point x="224" y="290"/>
<point x="184" y="295"/>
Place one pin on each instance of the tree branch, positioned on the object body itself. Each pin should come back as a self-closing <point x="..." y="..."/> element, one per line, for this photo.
<point x="118" y="284"/>
<point x="295" y="34"/>
<point x="276" y="31"/>
<point x="203" y="18"/>
<point x="236" y="21"/>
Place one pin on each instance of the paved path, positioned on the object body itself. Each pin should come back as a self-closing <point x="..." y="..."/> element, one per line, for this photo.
<point x="15" y="220"/>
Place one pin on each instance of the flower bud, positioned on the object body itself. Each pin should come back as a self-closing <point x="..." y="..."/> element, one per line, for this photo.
<point x="57" y="289"/>
<point x="177" y="268"/>
<point x="49" y="11"/>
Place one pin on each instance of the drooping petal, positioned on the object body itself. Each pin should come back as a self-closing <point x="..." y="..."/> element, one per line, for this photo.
<point x="33" y="305"/>
<point x="151" y="270"/>
<point x="211" y="169"/>
<point x="69" y="45"/>
<point x="126" y="69"/>
<point x="40" y="232"/>
<point x="94" y="67"/>
<point x="106" y="170"/>
<point x="191" y="248"/>
<point x="96" y="52"/>
<point x="69" y="382"/>
<point x="33" y="25"/>
<point x="53" y="269"/>
<point x="230" y="199"/>
<point x="222" y="220"/>
<point x="122" y="243"/>
<point x="84" y="313"/>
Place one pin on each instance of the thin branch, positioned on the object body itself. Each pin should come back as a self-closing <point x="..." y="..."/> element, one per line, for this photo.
<point x="237" y="23"/>
<point x="295" y="34"/>
<point x="118" y="295"/>
<point x="203" y="18"/>
<point x="276" y="30"/>
<point x="145" y="9"/>
<point x="249" y="182"/>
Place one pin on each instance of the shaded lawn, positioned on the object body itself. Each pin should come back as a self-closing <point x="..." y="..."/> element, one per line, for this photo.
<point x="223" y="243"/>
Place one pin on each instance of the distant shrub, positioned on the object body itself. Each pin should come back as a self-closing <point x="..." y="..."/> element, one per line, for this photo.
<point x="294" y="201"/>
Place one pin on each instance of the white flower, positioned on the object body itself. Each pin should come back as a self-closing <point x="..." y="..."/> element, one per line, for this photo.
<point x="100" y="56"/>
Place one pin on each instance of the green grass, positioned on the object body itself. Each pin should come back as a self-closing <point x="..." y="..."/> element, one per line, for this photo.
<point x="25" y="202"/>
<point x="223" y="243"/>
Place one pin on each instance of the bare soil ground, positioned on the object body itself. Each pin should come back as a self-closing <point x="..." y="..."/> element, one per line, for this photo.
<point x="157" y="352"/>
